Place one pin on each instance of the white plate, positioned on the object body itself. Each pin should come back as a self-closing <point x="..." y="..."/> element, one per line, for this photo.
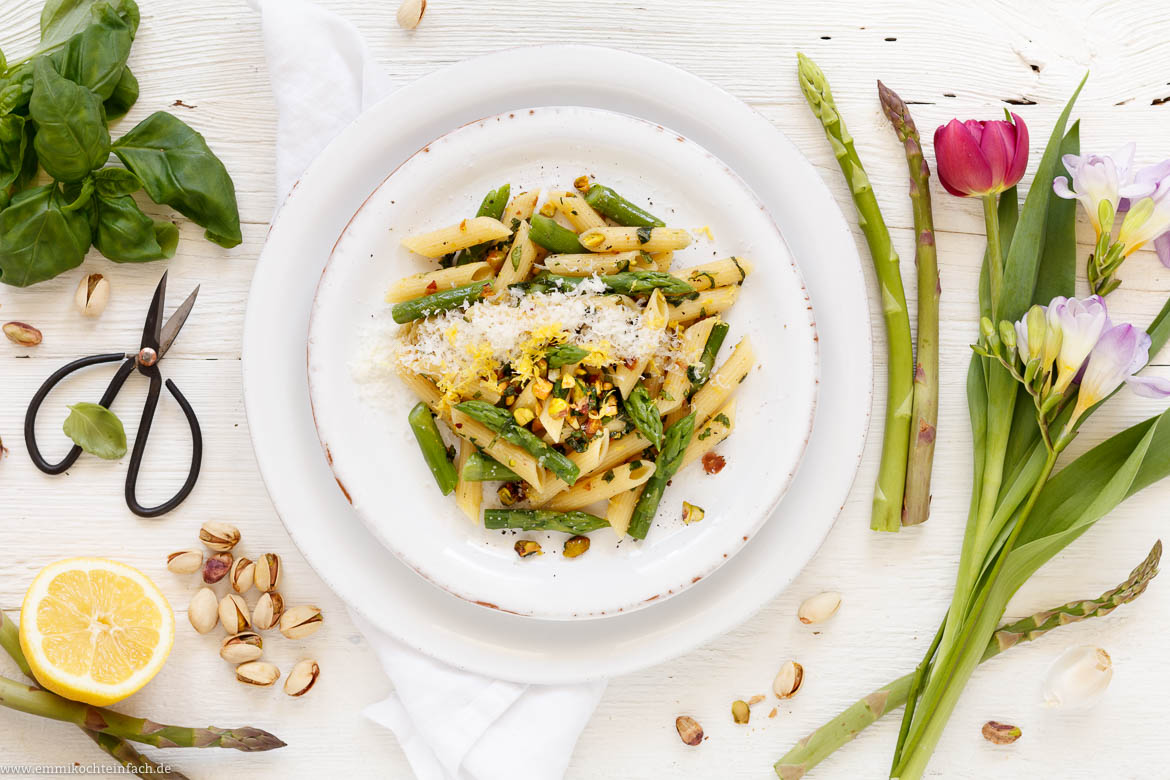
<point x="360" y="406"/>
<point x="326" y="529"/>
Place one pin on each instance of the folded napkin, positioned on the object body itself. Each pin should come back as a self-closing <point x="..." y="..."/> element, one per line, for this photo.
<point x="452" y="725"/>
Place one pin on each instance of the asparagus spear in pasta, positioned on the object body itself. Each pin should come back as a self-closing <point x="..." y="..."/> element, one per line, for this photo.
<point x="620" y="210"/>
<point x="548" y="234"/>
<point x="443" y="300"/>
<point x="644" y="412"/>
<point x="481" y="468"/>
<point x="501" y="422"/>
<point x="670" y="457"/>
<point x="627" y="283"/>
<point x="565" y="355"/>
<point x="422" y="423"/>
<point x="542" y="520"/>
<point x="698" y="374"/>
<point x="492" y="206"/>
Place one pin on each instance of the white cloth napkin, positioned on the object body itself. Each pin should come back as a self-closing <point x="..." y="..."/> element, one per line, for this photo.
<point x="452" y="725"/>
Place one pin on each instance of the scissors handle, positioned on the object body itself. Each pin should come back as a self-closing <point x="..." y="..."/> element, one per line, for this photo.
<point x="30" y="417"/>
<point x="148" y="410"/>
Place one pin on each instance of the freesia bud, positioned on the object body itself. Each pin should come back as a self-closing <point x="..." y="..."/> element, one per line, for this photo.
<point x="1036" y="327"/>
<point x="1105" y="215"/>
<point x="1007" y="334"/>
<point x="976" y="159"/>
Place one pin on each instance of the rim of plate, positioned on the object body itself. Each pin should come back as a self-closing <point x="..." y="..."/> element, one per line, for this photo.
<point x="718" y="560"/>
<point x="481" y="641"/>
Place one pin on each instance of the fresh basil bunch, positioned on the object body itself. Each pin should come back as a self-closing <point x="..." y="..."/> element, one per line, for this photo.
<point x="55" y="106"/>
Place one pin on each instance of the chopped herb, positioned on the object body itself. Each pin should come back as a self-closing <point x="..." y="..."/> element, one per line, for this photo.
<point x="700" y="275"/>
<point x="742" y="273"/>
<point x="516" y="252"/>
<point x="608" y="476"/>
<point x="706" y="433"/>
<point x="723" y="419"/>
<point x="635" y="465"/>
<point x="644" y="234"/>
<point x="665" y="396"/>
<point x="516" y="225"/>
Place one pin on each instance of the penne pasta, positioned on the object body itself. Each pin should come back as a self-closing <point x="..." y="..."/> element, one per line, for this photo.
<point x="588" y="462"/>
<point x="708" y="302"/>
<point x="520" y="208"/>
<point x="601" y="486"/>
<point x="724" y="381"/>
<point x="589" y="264"/>
<point x="663" y="260"/>
<point x="654" y="316"/>
<point x="468" y="233"/>
<point x="705" y="438"/>
<point x="620" y="509"/>
<point x="579" y="213"/>
<point x="425" y="390"/>
<point x="468" y="495"/>
<point x="678" y="380"/>
<point x="625" y="239"/>
<point x="435" y="281"/>
<point x="518" y="260"/>
<point x="718" y="273"/>
<point x="509" y="454"/>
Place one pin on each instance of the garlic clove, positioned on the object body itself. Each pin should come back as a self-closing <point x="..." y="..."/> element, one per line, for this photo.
<point x="1078" y="677"/>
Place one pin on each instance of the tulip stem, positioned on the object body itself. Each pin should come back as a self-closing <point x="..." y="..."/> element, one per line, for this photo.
<point x="994" y="250"/>
<point x="924" y="417"/>
<point x="891" y="480"/>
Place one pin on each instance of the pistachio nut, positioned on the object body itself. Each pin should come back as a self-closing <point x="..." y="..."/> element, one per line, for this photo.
<point x="527" y="547"/>
<point x="22" y="333"/>
<point x="740" y="711"/>
<point x="576" y="545"/>
<point x="258" y="673"/>
<point x="242" y="647"/>
<point x="203" y="612"/>
<point x="302" y="677"/>
<point x="185" y="561"/>
<point x="216" y="567"/>
<point x="819" y="608"/>
<point x="266" y="614"/>
<point x="93" y="293"/>
<point x="788" y="680"/>
<point x="410" y="13"/>
<point x="299" y="622"/>
<point x="689" y="730"/>
<point x="241" y="573"/>
<point x="1001" y="733"/>
<point x="233" y="613"/>
<point x="219" y="537"/>
<point x="267" y="574"/>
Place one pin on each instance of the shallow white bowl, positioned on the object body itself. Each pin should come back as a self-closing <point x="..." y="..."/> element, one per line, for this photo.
<point x="360" y="407"/>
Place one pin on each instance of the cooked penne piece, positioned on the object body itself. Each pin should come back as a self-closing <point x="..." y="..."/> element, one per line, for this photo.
<point x="625" y="239"/>
<point x="579" y="213"/>
<point x="520" y="208"/>
<point x="600" y="487"/>
<point x="653" y="316"/>
<point x="724" y="381"/>
<point x="588" y="462"/>
<point x="619" y="451"/>
<point x="589" y="264"/>
<point x="705" y="438"/>
<point x="553" y="426"/>
<point x="468" y="233"/>
<point x="718" y="273"/>
<point x="509" y="454"/>
<point x="678" y="380"/>
<point x="423" y="388"/>
<point x="468" y="495"/>
<point x="434" y="281"/>
<point x="519" y="259"/>
<point x="620" y="509"/>
<point x="707" y="303"/>
<point x="663" y="260"/>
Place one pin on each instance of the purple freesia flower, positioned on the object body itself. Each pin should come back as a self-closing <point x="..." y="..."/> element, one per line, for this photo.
<point x="1080" y="323"/>
<point x="1119" y="354"/>
<point x="1101" y="178"/>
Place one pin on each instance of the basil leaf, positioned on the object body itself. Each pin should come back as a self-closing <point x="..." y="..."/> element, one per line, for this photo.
<point x="3" y="62"/>
<point x="177" y="168"/>
<point x="96" y="56"/>
<point x="125" y="95"/>
<point x="126" y="235"/>
<point x="15" y="88"/>
<point x="62" y="19"/>
<point x="38" y="239"/>
<point x="96" y="430"/>
<point x="72" y="138"/>
<point x="13" y="142"/>
<point x="112" y="182"/>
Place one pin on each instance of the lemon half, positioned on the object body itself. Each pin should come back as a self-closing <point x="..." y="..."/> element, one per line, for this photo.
<point x="95" y="630"/>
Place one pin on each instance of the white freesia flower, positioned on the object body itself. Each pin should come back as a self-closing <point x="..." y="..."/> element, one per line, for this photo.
<point x="1101" y="178"/>
<point x="1080" y="323"/>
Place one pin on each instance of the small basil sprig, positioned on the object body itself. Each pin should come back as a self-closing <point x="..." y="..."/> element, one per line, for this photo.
<point x="96" y="430"/>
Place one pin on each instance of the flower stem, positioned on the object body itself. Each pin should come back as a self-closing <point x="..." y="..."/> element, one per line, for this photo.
<point x="994" y="250"/>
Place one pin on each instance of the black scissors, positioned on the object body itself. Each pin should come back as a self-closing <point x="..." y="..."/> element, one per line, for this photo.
<point x="156" y="340"/>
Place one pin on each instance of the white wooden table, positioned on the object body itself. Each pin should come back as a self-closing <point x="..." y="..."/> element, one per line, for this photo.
<point x="950" y="58"/>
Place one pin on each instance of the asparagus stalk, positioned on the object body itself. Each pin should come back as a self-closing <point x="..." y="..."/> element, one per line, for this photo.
<point x="924" y="415"/>
<point x="625" y="283"/>
<point x="417" y="308"/>
<point x="501" y="422"/>
<point x="426" y="433"/>
<point x="814" y="748"/>
<point x="702" y="372"/>
<point x="608" y="203"/>
<point x="548" y="234"/>
<point x="891" y="481"/>
<point x="493" y="205"/>
<point x="644" y="414"/>
<point x="125" y="754"/>
<point x="565" y="355"/>
<point x="542" y="520"/>
<point x="481" y="468"/>
<point x="674" y="445"/>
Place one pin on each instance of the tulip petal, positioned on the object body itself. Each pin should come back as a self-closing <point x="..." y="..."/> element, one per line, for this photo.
<point x="1149" y="386"/>
<point x="1019" y="159"/>
<point x="996" y="144"/>
<point x="962" y="168"/>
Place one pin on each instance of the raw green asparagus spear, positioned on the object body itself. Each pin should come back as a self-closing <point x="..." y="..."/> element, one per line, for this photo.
<point x="814" y="748"/>
<point x="626" y="283"/>
<point x="924" y="416"/>
<point x="434" y="451"/>
<point x="501" y="422"/>
<point x="674" y="444"/>
<point x="548" y="234"/>
<point x="891" y="481"/>
<point x="492" y="206"/>
<point x="645" y="415"/>
<point x="138" y="764"/>
<point x="481" y="468"/>
<point x="417" y="308"/>
<point x="10" y="641"/>
<point x="565" y="355"/>
<point x="699" y="374"/>
<point x="542" y="520"/>
<point x="610" y="204"/>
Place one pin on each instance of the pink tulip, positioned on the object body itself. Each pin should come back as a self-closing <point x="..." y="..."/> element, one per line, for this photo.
<point x="976" y="159"/>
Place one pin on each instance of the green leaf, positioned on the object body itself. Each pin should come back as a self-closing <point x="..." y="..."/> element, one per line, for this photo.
<point x="124" y="97"/>
<point x="1058" y="265"/>
<point x="96" y="430"/>
<point x="96" y="56"/>
<point x="13" y="143"/>
<point x="62" y="19"/>
<point x="1022" y="262"/>
<point x="177" y="168"/>
<point x="16" y="88"/>
<point x="39" y="239"/>
<point x="114" y="182"/>
<point x="125" y="234"/>
<point x="72" y="138"/>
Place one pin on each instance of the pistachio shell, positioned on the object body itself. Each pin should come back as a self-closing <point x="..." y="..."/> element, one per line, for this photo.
<point x="233" y="614"/>
<point x="258" y="673"/>
<point x="410" y="13"/>
<point x="267" y="574"/>
<point x="241" y="574"/>
<point x="266" y="614"/>
<point x="788" y="680"/>
<point x="241" y="648"/>
<point x="216" y="567"/>
<point x="819" y="608"/>
<point x="302" y="677"/>
<point x="299" y="622"/>
<point x="203" y="611"/>
<point x="185" y="561"/>
<point x="219" y="537"/>
<point x="689" y="730"/>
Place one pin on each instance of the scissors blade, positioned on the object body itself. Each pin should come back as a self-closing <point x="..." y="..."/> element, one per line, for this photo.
<point x="153" y="326"/>
<point x="175" y="323"/>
